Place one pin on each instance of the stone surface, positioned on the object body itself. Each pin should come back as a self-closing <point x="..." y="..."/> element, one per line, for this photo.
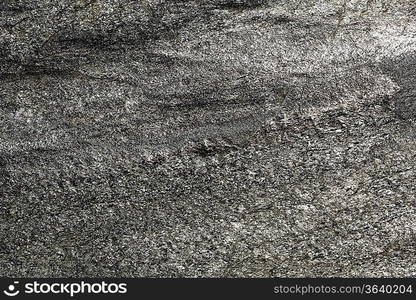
<point x="207" y="138"/>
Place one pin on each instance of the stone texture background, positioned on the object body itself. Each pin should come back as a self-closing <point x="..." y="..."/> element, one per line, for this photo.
<point x="215" y="138"/>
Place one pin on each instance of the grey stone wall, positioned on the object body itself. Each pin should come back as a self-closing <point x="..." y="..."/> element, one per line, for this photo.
<point x="207" y="138"/>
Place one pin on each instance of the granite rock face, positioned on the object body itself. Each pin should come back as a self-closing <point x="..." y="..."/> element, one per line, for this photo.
<point x="226" y="138"/>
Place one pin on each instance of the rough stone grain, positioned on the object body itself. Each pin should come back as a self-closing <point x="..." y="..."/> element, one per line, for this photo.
<point x="210" y="138"/>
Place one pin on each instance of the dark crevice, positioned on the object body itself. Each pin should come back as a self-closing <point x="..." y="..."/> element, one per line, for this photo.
<point x="239" y="4"/>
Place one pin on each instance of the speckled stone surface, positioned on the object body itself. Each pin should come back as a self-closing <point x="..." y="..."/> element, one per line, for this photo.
<point x="211" y="138"/>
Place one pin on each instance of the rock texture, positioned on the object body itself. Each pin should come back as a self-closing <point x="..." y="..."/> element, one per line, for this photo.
<point x="222" y="138"/>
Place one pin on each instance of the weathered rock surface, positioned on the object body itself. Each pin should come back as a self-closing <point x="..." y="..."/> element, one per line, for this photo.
<point x="207" y="138"/>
